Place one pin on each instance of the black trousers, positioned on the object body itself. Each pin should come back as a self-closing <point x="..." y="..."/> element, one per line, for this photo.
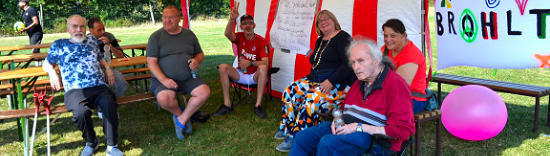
<point x="82" y="101"/>
<point x="35" y="38"/>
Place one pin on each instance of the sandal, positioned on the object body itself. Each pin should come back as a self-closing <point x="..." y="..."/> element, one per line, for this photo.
<point x="180" y="128"/>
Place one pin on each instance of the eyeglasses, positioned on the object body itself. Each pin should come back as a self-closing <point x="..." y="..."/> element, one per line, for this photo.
<point x="76" y="26"/>
<point x="170" y="17"/>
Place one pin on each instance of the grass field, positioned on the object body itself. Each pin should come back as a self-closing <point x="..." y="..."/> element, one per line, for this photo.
<point x="145" y="130"/>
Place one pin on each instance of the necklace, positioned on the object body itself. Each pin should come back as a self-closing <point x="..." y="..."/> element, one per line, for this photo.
<point x="320" y="55"/>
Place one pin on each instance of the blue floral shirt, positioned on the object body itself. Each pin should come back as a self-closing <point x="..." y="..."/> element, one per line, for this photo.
<point x="79" y="63"/>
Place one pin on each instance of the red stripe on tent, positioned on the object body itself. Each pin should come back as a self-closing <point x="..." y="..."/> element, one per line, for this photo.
<point x="231" y="5"/>
<point x="250" y="7"/>
<point x="364" y="18"/>
<point x="270" y="20"/>
<point x="302" y="65"/>
<point x="185" y="13"/>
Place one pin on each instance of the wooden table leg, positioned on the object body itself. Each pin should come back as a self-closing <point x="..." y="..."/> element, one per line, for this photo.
<point x="535" y="124"/>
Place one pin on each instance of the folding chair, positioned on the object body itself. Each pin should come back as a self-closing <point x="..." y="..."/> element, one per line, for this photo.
<point x="239" y="88"/>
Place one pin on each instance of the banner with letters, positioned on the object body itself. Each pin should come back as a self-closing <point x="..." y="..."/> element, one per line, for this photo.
<point x="496" y="34"/>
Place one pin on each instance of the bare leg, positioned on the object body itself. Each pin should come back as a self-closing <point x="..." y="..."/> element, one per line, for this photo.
<point x="199" y="95"/>
<point x="227" y="72"/>
<point x="261" y="78"/>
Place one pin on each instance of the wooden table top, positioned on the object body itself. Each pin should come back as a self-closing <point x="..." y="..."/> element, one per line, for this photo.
<point x="134" y="46"/>
<point x="46" y="45"/>
<point x="25" y="47"/>
<point x="130" y="61"/>
<point x="22" y="73"/>
<point x="23" y="56"/>
<point x="37" y="71"/>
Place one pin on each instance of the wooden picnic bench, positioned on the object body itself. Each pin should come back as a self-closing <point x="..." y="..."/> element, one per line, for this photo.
<point x="501" y="86"/>
<point x="29" y="112"/>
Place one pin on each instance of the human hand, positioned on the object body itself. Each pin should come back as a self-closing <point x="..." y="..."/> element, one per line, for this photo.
<point x="110" y="76"/>
<point x="54" y="81"/>
<point x="326" y="86"/>
<point x="234" y="12"/>
<point x="244" y="63"/>
<point x="104" y="39"/>
<point x="333" y="127"/>
<point x="193" y="64"/>
<point x="169" y="83"/>
<point x="347" y="129"/>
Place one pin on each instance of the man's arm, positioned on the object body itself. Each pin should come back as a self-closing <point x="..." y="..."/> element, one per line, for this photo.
<point x="109" y="76"/>
<point x="54" y="78"/>
<point x="33" y="24"/>
<point x="118" y="53"/>
<point x="229" y="32"/>
<point x="196" y="61"/>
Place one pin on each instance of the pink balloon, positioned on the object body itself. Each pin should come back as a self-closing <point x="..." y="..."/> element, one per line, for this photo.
<point x="474" y="112"/>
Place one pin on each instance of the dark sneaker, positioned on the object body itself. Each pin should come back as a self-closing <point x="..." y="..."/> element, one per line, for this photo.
<point x="259" y="112"/>
<point x="280" y="135"/>
<point x="188" y="129"/>
<point x="222" y="111"/>
<point x="200" y="116"/>
<point x="285" y="145"/>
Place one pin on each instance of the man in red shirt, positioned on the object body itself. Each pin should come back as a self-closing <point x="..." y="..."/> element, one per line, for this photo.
<point x="377" y="103"/>
<point x="252" y="62"/>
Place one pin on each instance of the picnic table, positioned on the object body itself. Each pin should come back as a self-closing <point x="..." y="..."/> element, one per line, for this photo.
<point x="11" y="49"/>
<point x="31" y="74"/>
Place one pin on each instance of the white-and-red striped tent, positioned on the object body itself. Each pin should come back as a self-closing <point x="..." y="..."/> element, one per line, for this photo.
<point x="357" y="17"/>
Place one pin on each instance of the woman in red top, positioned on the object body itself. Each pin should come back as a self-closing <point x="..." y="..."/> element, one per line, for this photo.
<point x="408" y="60"/>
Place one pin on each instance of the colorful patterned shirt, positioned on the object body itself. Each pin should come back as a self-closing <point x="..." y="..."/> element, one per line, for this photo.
<point x="79" y="63"/>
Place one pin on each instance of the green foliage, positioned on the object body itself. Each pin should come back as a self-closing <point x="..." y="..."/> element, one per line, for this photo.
<point x="113" y="13"/>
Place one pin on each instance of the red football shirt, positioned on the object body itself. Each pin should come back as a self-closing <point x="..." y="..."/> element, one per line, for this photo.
<point x="253" y="50"/>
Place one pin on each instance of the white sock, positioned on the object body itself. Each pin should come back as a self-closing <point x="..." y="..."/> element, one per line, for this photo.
<point x="109" y="148"/>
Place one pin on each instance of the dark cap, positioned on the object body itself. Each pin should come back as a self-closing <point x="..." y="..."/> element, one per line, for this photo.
<point x="24" y="1"/>
<point x="246" y="16"/>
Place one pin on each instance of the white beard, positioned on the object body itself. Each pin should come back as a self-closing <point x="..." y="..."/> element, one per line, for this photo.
<point x="76" y="39"/>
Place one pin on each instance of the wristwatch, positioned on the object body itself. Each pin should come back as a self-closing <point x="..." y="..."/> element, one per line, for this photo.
<point x="359" y="129"/>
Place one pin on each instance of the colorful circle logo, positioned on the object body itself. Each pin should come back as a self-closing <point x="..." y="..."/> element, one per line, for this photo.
<point x="468" y="26"/>
<point x="492" y="3"/>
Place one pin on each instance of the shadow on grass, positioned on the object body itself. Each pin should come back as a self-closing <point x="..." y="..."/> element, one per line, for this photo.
<point x="517" y="132"/>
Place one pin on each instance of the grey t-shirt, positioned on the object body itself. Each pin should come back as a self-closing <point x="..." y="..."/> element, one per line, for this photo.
<point x="173" y="51"/>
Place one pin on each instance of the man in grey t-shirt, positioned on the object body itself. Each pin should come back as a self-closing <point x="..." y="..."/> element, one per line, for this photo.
<point x="172" y="53"/>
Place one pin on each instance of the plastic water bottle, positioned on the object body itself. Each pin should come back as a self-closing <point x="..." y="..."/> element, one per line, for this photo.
<point x="338" y="121"/>
<point x="107" y="54"/>
<point x="194" y="73"/>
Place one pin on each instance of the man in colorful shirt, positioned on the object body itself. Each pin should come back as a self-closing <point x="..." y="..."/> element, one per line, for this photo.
<point x="84" y="82"/>
<point x="252" y="62"/>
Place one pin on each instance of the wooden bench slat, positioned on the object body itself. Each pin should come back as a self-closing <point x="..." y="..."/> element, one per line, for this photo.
<point x="38" y="82"/>
<point x="509" y="87"/>
<point x="134" y="70"/>
<point x="29" y="112"/>
<point x="137" y="77"/>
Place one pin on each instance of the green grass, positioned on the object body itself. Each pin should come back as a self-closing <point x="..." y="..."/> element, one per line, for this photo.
<point x="145" y="130"/>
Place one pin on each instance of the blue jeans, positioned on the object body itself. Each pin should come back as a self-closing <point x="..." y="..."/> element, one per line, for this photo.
<point x="418" y="106"/>
<point x="319" y="140"/>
